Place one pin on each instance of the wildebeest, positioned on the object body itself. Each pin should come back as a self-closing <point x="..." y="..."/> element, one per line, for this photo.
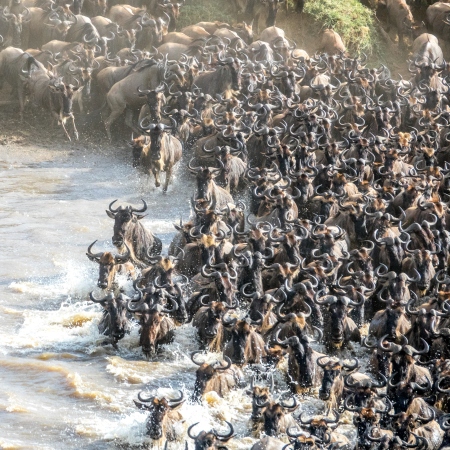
<point x="53" y="95"/>
<point x="161" y="154"/>
<point x="128" y="230"/>
<point x="210" y="440"/>
<point x="208" y="190"/>
<point x="164" y="420"/>
<point x="115" y="322"/>
<point x="110" y="266"/>
<point x="156" y="327"/>
<point x="123" y="94"/>
<point x="225" y="78"/>
<point x="16" y="67"/>
<point x="216" y="377"/>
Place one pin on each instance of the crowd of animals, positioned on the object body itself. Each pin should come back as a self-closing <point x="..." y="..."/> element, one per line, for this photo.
<point x="319" y="220"/>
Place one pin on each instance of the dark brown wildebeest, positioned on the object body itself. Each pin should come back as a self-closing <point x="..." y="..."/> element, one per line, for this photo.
<point x="128" y="230"/>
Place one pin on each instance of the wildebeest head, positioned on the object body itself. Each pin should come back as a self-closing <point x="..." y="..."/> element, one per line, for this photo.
<point x="366" y="418"/>
<point x="274" y="415"/>
<point x="320" y="426"/>
<point x="403" y="357"/>
<point x="233" y="66"/>
<point x="205" y="181"/>
<point x="124" y="218"/>
<point x="332" y="370"/>
<point x="261" y="397"/>
<point x="240" y="331"/>
<point x="214" y="313"/>
<point x="424" y="264"/>
<point x="338" y="311"/>
<point x="16" y="22"/>
<point x="115" y="322"/>
<point x="155" y="97"/>
<point x="159" y="410"/>
<point x="210" y="440"/>
<point x="151" y="320"/>
<point x="405" y="424"/>
<point x="205" y="373"/>
<point x="404" y="392"/>
<point x="107" y="265"/>
<point x="138" y="144"/>
<point x="64" y="94"/>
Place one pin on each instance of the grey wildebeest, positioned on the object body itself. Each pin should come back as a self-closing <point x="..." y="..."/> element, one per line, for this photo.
<point x="128" y="230"/>
<point x="123" y="95"/>
<point x="225" y="78"/>
<point x="15" y="68"/>
<point x="53" y="95"/>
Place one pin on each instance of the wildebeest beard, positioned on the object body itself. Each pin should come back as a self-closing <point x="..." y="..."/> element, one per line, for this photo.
<point x="155" y="144"/>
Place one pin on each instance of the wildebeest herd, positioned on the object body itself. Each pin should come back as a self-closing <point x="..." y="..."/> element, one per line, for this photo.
<point x="319" y="220"/>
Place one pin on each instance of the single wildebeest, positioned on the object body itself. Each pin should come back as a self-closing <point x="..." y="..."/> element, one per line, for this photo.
<point x="110" y="266"/>
<point x="164" y="419"/>
<point x="210" y="440"/>
<point x="115" y="322"/>
<point x="216" y="378"/>
<point x="161" y="154"/>
<point x="128" y="230"/>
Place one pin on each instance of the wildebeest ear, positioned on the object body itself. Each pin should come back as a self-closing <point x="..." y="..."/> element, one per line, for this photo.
<point x="110" y="214"/>
<point x="140" y="217"/>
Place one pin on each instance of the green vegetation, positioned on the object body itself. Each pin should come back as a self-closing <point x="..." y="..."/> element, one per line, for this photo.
<point x="206" y="11"/>
<point x="354" y="22"/>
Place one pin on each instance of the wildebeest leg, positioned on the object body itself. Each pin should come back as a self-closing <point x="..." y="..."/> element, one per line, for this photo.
<point x="113" y="116"/>
<point x="63" y="124"/>
<point x="21" y="96"/>
<point x="75" y="131"/>
<point x="155" y="172"/>
<point x="168" y="177"/>
<point x="129" y="120"/>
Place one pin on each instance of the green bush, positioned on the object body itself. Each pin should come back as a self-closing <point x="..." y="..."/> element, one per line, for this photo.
<point x="206" y="11"/>
<point x="354" y="22"/>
